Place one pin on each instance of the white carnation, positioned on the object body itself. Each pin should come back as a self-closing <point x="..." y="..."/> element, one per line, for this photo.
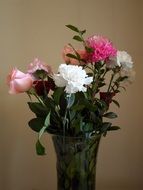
<point x="124" y="59"/>
<point x="73" y="77"/>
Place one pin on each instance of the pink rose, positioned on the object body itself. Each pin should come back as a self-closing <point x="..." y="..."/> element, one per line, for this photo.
<point x="38" y="65"/>
<point x="68" y="49"/>
<point x="19" y="82"/>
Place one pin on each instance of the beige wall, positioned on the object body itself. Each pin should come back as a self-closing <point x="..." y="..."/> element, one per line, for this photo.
<point x="30" y="28"/>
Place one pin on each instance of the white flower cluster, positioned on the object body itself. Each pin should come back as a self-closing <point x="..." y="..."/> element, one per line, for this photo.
<point x="124" y="61"/>
<point x="73" y="78"/>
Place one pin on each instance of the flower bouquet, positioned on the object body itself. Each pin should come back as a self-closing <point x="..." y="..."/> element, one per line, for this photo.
<point x="72" y="103"/>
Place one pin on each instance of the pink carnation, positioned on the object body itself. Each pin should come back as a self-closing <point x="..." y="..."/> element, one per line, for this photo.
<point x="102" y="48"/>
<point x="38" y="65"/>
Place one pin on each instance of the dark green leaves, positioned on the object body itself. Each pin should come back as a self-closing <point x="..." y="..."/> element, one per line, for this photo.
<point x="39" y="109"/>
<point x="110" y="115"/>
<point x="36" y="124"/>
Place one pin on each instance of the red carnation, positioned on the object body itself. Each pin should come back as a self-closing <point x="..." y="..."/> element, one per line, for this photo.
<point x="43" y="87"/>
<point x="107" y="97"/>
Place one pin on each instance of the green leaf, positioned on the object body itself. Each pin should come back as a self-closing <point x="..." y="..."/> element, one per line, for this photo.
<point x="120" y="79"/>
<point x="112" y="128"/>
<point x="78" y="107"/>
<point x="41" y="132"/>
<point x="89" y="105"/>
<point x="78" y="56"/>
<point x="71" y="55"/>
<point x="76" y="124"/>
<point x="72" y="27"/>
<point x="50" y="104"/>
<point x="116" y="91"/>
<point x="39" y="147"/>
<point x="89" y="49"/>
<point x="57" y="94"/>
<point x="38" y="108"/>
<point x="116" y="103"/>
<point x="102" y="71"/>
<point x="98" y="66"/>
<point x="36" y="124"/>
<point x="110" y="115"/>
<point x="47" y="120"/>
<point x="63" y="105"/>
<point x="101" y="84"/>
<point x="78" y="38"/>
<point x="90" y="74"/>
<point x="40" y="150"/>
<point x="88" y="127"/>
<point x="105" y="126"/>
<point x="83" y="32"/>
<point x="41" y="74"/>
<point x="83" y="60"/>
<point x="46" y="124"/>
<point x="72" y="115"/>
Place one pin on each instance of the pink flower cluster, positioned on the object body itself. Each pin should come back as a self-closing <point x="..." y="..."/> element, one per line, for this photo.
<point x="38" y="65"/>
<point x="20" y="82"/>
<point x="102" y="48"/>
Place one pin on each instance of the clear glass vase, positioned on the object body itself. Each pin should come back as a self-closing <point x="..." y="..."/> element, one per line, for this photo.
<point x="76" y="162"/>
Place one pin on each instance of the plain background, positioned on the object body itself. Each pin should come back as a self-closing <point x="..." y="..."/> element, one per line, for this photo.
<point x="36" y="28"/>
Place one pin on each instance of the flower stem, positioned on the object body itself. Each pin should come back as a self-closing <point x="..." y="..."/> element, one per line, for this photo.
<point x="39" y="99"/>
<point x="106" y="70"/>
<point x="112" y="76"/>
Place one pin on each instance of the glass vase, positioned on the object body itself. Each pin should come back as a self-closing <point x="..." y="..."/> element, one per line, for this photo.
<point x="76" y="162"/>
